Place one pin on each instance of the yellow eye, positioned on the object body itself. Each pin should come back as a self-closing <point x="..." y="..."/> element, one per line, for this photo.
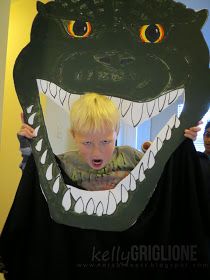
<point x="153" y="33"/>
<point x="79" y="29"/>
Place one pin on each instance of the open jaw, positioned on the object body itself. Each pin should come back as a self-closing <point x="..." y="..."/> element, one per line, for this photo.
<point x="106" y="202"/>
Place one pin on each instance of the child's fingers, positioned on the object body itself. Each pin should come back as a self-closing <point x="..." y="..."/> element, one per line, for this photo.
<point x="27" y="132"/>
<point x="27" y="127"/>
<point x="195" y="128"/>
<point x="191" y="134"/>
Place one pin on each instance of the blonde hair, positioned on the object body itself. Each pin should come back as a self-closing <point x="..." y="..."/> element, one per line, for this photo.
<point x="93" y="112"/>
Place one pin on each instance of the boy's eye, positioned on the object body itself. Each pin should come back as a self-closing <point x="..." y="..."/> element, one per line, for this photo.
<point x="87" y="143"/>
<point x="79" y="29"/>
<point x="106" y="141"/>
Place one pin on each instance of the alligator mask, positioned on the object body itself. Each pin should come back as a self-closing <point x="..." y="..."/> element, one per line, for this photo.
<point x="144" y="55"/>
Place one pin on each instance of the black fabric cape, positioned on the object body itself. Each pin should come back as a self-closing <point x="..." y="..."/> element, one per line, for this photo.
<point x="33" y="246"/>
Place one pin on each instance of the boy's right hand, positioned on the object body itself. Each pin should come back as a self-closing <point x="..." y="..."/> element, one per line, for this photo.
<point x="26" y="130"/>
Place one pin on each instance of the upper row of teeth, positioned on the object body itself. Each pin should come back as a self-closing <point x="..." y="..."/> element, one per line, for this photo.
<point x="104" y="202"/>
<point x="134" y="113"/>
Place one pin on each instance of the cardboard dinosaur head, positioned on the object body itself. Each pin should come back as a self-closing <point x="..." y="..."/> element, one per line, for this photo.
<point x="145" y="55"/>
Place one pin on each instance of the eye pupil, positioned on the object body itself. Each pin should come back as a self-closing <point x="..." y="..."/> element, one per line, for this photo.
<point x="152" y="33"/>
<point x="80" y="28"/>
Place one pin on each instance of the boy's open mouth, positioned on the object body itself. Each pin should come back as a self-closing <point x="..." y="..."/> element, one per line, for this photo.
<point x="103" y="203"/>
<point x="97" y="163"/>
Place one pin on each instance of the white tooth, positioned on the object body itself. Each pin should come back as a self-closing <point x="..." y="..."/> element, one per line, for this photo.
<point x="99" y="209"/>
<point x="151" y="160"/>
<point x="159" y="144"/>
<point x="62" y="96"/>
<point x="125" y="106"/>
<point x="44" y="85"/>
<point x="124" y="194"/>
<point x="153" y="148"/>
<point x="180" y="91"/>
<point x="90" y="207"/>
<point x="79" y="206"/>
<point x="49" y="172"/>
<point x="76" y="193"/>
<point x="56" y="185"/>
<point x="112" y="205"/>
<point x="172" y="96"/>
<point x="136" y="113"/>
<point x="141" y="173"/>
<point x="53" y="90"/>
<point x="38" y="81"/>
<point x="132" y="183"/>
<point x="161" y="102"/>
<point x="117" y="193"/>
<point x="177" y="122"/>
<point x="36" y="130"/>
<point x="31" y="119"/>
<point x="116" y="101"/>
<point x="171" y="122"/>
<point x="168" y="133"/>
<point x="43" y="157"/>
<point x="38" y="146"/>
<point x="150" y="107"/>
<point x="126" y="182"/>
<point x="162" y="133"/>
<point x="135" y="171"/>
<point x="66" y="202"/>
<point x="29" y="109"/>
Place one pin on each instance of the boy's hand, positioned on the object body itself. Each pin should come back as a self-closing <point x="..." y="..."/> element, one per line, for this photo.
<point x="192" y="132"/>
<point x="145" y="146"/>
<point x="26" y="130"/>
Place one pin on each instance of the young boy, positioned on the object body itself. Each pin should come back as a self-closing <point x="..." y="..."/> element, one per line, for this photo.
<point x="97" y="164"/>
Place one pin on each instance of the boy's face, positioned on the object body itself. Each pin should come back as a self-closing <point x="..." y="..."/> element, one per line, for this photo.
<point x="206" y="139"/>
<point x="96" y="148"/>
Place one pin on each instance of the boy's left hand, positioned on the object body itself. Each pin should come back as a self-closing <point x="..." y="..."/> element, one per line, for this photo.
<point x="192" y="132"/>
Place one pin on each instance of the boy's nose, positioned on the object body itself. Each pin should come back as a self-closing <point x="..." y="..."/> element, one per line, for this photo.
<point x="96" y="151"/>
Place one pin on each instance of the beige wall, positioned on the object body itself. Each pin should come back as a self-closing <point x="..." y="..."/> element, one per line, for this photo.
<point x="22" y="13"/>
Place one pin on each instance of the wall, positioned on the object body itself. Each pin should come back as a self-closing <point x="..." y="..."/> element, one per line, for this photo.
<point x="4" y="21"/>
<point x="22" y="13"/>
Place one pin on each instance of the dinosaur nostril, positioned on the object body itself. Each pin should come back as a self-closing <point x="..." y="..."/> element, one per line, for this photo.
<point x="105" y="59"/>
<point x="127" y="60"/>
